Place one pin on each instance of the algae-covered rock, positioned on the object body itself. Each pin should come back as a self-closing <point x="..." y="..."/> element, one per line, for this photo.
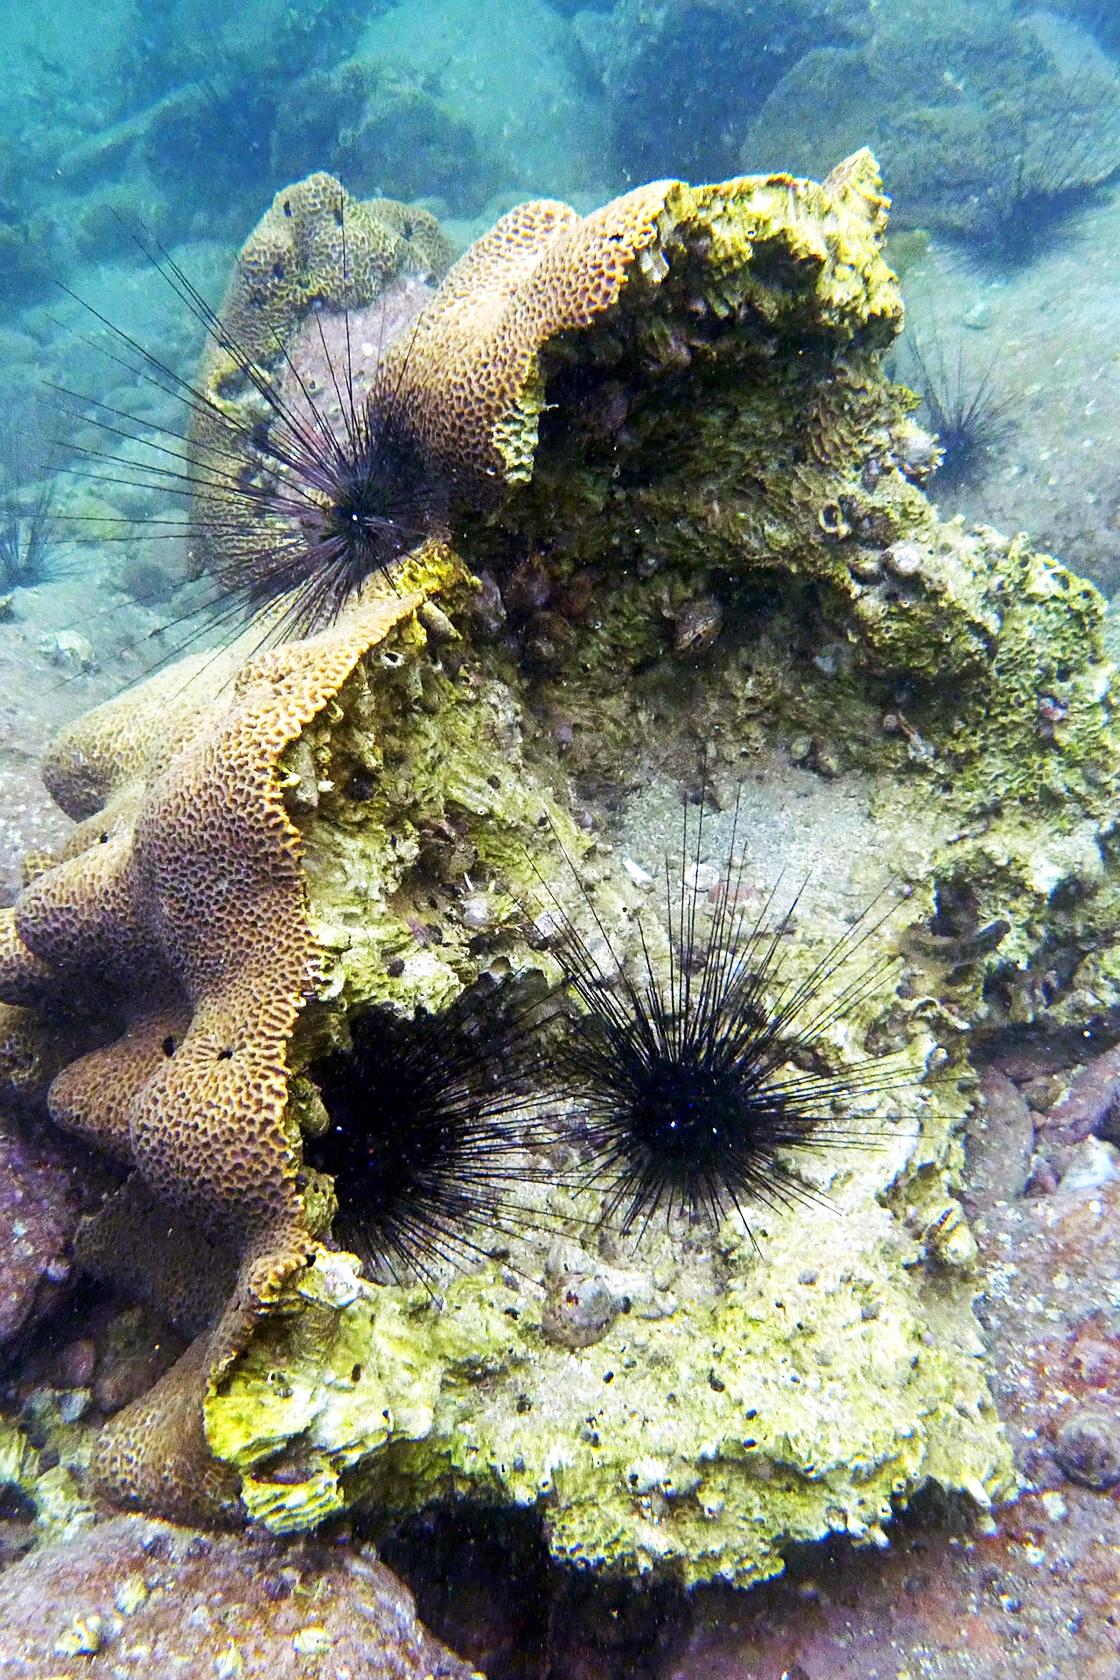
<point x="688" y="557"/>
<point x="698" y="1435"/>
<point x="986" y="121"/>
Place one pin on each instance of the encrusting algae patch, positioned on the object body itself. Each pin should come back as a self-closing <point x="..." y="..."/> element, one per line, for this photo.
<point x="686" y="528"/>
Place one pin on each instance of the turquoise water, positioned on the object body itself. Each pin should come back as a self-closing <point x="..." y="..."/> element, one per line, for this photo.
<point x="132" y="130"/>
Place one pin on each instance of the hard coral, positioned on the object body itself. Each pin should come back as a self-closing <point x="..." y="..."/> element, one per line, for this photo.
<point x="474" y="371"/>
<point x="318" y="245"/>
<point x="180" y="908"/>
<point x="317" y="248"/>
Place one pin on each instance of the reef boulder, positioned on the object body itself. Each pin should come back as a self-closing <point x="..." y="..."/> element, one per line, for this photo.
<point x="687" y="548"/>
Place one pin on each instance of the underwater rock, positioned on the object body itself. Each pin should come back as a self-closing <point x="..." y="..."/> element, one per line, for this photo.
<point x="382" y="127"/>
<point x="40" y="1204"/>
<point x="1008" y="130"/>
<point x="674" y="402"/>
<point x="683" y="78"/>
<point x="199" y="1604"/>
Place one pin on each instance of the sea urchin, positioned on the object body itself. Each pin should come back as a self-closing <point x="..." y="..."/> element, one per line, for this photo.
<point x="299" y="487"/>
<point x="427" y="1130"/>
<point x="694" y="1083"/>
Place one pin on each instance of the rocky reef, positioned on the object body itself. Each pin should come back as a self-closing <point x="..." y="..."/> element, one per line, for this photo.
<point x="136" y="1592"/>
<point x="988" y="125"/>
<point x="687" y="547"/>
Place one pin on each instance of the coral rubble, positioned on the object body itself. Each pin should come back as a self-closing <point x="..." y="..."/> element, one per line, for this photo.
<point x="688" y="526"/>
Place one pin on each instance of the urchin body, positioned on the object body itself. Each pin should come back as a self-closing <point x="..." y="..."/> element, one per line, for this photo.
<point x="695" y="1081"/>
<point x="426" y="1134"/>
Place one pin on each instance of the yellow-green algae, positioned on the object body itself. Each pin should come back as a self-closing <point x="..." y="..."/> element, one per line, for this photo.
<point x="703" y="1439"/>
<point x="853" y="1379"/>
<point x="60" y="1509"/>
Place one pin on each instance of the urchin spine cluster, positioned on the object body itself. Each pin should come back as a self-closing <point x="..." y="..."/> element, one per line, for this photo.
<point x="689" y="1088"/>
<point x="427" y="1130"/>
<point x="692" y="1087"/>
<point x="317" y="508"/>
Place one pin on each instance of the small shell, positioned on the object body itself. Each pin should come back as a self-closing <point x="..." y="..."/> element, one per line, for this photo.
<point x="476" y="912"/>
<point x="948" y="1241"/>
<point x="832" y="522"/>
<point x="437" y="623"/>
<point x="578" y="1309"/>
<point x="904" y="559"/>
<point x="698" y="624"/>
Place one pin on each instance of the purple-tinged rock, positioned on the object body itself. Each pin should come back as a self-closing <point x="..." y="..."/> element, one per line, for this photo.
<point x="1086" y="1105"/>
<point x="135" y="1596"/>
<point x="40" y="1203"/>
<point x="1088" y="1448"/>
<point x="1000" y="1140"/>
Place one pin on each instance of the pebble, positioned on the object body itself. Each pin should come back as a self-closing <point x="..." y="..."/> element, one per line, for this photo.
<point x="1088" y="1448"/>
<point x="81" y="1639"/>
<point x="978" y="316"/>
<point x="702" y="877"/>
<point x="1092" y="1164"/>
<point x="578" y="1309"/>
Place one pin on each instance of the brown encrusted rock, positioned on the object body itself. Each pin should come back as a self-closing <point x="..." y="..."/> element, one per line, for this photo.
<point x="187" y="1603"/>
<point x="40" y="1204"/>
<point x="471" y="372"/>
<point x="180" y="905"/>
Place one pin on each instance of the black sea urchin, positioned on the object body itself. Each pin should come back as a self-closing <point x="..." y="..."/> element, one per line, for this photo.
<point x="28" y="501"/>
<point x="693" y="1083"/>
<point x="965" y="404"/>
<point x="427" y="1133"/>
<point x="304" y="485"/>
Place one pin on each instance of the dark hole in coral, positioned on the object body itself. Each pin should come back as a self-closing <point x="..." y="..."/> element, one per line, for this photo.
<point x="168" y="1046"/>
<point x="226" y="1054"/>
<point x="360" y="786"/>
<point x="957" y="915"/>
<point x="15" y="1505"/>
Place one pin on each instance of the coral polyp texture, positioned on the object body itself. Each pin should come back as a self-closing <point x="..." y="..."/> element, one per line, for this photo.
<point x="687" y="543"/>
<point x="263" y="469"/>
<point x="664" y="263"/>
